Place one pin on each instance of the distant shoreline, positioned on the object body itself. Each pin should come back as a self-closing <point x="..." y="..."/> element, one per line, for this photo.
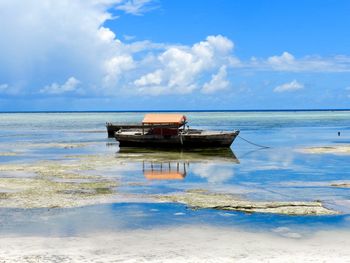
<point x="143" y="111"/>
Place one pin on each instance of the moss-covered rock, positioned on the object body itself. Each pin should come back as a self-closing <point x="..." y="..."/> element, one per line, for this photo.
<point x="201" y="199"/>
<point x="341" y="185"/>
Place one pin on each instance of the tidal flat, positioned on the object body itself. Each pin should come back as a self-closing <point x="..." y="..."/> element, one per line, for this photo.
<point x="338" y="149"/>
<point x="65" y="181"/>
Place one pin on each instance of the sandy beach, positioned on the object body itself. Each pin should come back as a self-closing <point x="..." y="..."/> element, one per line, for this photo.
<point x="181" y="244"/>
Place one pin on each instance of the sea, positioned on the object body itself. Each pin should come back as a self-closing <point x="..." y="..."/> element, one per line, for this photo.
<point x="266" y="163"/>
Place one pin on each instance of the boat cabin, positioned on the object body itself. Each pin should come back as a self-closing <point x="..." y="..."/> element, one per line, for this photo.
<point x="163" y="124"/>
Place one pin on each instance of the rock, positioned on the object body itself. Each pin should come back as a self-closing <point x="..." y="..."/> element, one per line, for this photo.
<point x="200" y="199"/>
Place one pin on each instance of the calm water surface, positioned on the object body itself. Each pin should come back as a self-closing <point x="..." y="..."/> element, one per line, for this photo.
<point x="277" y="173"/>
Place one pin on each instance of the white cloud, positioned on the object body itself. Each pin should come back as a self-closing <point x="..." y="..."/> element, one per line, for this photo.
<point x="348" y="89"/>
<point x="69" y="86"/>
<point x="291" y="86"/>
<point x="106" y="35"/>
<point x="50" y="40"/>
<point x="4" y="88"/>
<point x="137" y="7"/>
<point x="128" y="37"/>
<point x="287" y="62"/>
<point x="217" y="82"/>
<point x="285" y="59"/>
<point x="181" y="69"/>
<point x="115" y="67"/>
<point x="153" y="78"/>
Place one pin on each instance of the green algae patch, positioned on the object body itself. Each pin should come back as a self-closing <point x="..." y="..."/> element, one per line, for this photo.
<point x="4" y="195"/>
<point x="72" y="164"/>
<point x="61" y="145"/>
<point x="337" y="150"/>
<point x="93" y="161"/>
<point x="56" y="184"/>
<point x="8" y="154"/>
<point x="200" y="199"/>
<point x="341" y="185"/>
<point x="39" y="192"/>
<point x="57" y="145"/>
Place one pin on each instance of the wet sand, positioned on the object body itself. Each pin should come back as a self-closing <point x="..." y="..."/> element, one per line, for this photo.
<point x="181" y="244"/>
<point x="337" y="150"/>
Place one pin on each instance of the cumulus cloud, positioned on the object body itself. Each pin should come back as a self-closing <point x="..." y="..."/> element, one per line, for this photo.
<point x="182" y="69"/>
<point x="348" y="91"/>
<point x="115" y="67"/>
<point x="217" y="82"/>
<point x="289" y="63"/>
<point x="4" y="88"/>
<point x="153" y="78"/>
<point x="71" y="85"/>
<point x="285" y="59"/>
<point x="128" y="37"/>
<point x="50" y="41"/>
<point x="290" y="86"/>
<point x="137" y="7"/>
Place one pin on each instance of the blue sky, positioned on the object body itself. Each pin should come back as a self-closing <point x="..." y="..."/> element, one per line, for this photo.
<point x="175" y="55"/>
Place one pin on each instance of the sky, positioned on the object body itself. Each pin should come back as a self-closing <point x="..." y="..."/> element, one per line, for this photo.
<point x="86" y="55"/>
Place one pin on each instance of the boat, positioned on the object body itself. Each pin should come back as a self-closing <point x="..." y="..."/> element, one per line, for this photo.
<point x="173" y="163"/>
<point x="168" y="130"/>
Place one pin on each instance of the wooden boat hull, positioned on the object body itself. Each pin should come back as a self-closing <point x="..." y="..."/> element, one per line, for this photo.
<point x="113" y="128"/>
<point x="200" y="140"/>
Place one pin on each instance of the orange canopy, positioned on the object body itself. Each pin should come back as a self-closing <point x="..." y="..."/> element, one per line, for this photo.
<point x="155" y="118"/>
<point x="160" y="175"/>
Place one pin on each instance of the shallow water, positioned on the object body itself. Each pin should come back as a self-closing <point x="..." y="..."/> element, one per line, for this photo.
<point x="278" y="173"/>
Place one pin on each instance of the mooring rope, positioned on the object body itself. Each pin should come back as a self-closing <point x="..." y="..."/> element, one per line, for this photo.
<point x="258" y="145"/>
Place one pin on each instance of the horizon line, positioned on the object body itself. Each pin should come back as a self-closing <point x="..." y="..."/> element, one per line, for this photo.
<point x="186" y="110"/>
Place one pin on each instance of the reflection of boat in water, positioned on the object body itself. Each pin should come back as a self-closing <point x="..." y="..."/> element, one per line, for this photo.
<point x="164" y="170"/>
<point x="174" y="164"/>
<point x="177" y="155"/>
<point x="168" y="130"/>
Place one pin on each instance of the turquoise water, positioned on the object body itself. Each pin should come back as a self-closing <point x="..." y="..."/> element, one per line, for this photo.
<point x="279" y="172"/>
